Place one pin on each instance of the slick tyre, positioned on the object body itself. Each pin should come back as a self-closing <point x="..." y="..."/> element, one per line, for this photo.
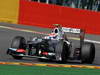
<point x="88" y="53"/>
<point x="17" y="57"/>
<point x="18" y="42"/>
<point x="65" y="53"/>
<point x="62" y="52"/>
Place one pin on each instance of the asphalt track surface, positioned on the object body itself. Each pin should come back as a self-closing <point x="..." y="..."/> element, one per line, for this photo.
<point x="6" y="36"/>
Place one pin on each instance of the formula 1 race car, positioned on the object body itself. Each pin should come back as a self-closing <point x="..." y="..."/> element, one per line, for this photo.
<point x="57" y="46"/>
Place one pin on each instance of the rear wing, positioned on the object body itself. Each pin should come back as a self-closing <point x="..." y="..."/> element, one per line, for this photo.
<point x="76" y="31"/>
<point x="71" y="30"/>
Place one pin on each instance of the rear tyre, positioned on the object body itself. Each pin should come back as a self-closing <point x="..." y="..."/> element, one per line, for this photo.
<point x="18" y="42"/>
<point x="88" y="53"/>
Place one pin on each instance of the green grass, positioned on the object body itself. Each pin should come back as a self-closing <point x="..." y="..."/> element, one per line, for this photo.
<point x="36" y="70"/>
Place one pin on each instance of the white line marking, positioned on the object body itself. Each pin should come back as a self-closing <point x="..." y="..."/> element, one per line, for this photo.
<point x="93" y="41"/>
<point x="31" y="31"/>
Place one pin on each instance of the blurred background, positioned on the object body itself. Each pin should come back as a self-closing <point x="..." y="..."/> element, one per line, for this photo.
<point x="82" y="4"/>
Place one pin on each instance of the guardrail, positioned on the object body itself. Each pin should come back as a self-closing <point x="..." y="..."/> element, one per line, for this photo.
<point x="44" y="15"/>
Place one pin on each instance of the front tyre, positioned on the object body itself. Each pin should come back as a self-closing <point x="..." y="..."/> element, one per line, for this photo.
<point x="65" y="52"/>
<point x="17" y="57"/>
<point x="18" y="42"/>
<point x="62" y="52"/>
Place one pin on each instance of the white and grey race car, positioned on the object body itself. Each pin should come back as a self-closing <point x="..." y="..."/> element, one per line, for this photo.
<point x="57" y="46"/>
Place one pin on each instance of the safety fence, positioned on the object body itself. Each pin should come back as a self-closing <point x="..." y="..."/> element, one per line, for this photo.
<point x="44" y="15"/>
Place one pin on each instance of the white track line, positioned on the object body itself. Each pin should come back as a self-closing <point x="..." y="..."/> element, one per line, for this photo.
<point x="87" y="40"/>
<point x="31" y="31"/>
<point x="93" y="41"/>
